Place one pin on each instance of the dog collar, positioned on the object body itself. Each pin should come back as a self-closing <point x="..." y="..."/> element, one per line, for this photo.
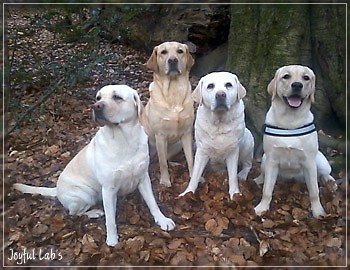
<point x="282" y="132"/>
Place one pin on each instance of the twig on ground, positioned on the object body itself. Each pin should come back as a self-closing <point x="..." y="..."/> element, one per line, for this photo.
<point x="51" y="90"/>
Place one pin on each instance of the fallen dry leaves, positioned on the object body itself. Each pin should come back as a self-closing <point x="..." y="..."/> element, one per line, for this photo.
<point x="212" y="229"/>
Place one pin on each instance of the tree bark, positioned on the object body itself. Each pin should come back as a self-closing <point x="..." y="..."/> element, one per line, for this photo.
<point x="265" y="37"/>
<point x="329" y="54"/>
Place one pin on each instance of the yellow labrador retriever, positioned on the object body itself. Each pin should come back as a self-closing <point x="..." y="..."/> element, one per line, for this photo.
<point x="220" y="132"/>
<point x="169" y="114"/>
<point x="115" y="162"/>
<point x="290" y="139"/>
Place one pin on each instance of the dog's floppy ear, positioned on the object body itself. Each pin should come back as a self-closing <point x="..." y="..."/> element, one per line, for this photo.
<point x="152" y="61"/>
<point x="241" y="92"/>
<point x="197" y="93"/>
<point x="272" y="86"/>
<point x="138" y="104"/>
<point x="190" y="60"/>
<point x="313" y="86"/>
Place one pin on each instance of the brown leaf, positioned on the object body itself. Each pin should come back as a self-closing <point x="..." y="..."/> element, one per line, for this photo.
<point x="237" y="259"/>
<point x="66" y="155"/>
<point x="213" y="227"/>
<point x="180" y="258"/>
<point x="334" y="242"/>
<point x="268" y="224"/>
<point x="57" y="224"/>
<point x="286" y="207"/>
<point x="300" y="214"/>
<point x="52" y="150"/>
<point x="158" y="255"/>
<point x="197" y="241"/>
<point x="39" y="229"/>
<point x="133" y="245"/>
<point x="88" y="244"/>
<point x="15" y="236"/>
<point x="176" y="243"/>
<point x="77" y="249"/>
<point x="134" y="219"/>
<point x="158" y="242"/>
<point x="264" y="247"/>
<point x="187" y="215"/>
<point x="145" y="255"/>
<point x="222" y="222"/>
<point x="239" y="220"/>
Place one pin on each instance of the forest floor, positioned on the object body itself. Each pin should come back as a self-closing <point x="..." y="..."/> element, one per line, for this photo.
<point x="211" y="229"/>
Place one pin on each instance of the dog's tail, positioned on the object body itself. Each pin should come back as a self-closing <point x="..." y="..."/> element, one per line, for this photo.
<point x="36" y="190"/>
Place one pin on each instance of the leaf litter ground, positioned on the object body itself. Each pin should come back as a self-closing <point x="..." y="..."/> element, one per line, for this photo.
<point x="212" y="230"/>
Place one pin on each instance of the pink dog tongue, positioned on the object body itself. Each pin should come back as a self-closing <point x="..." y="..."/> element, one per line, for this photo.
<point x="294" y="102"/>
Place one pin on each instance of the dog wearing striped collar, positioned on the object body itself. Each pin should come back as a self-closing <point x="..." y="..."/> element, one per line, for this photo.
<point x="290" y="139"/>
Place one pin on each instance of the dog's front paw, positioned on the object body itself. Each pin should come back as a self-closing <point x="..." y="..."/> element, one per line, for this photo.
<point x="317" y="212"/>
<point x="242" y="175"/>
<point x="186" y="191"/>
<point x="259" y="180"/>
<point x="112" y="240"/>
<point x="165" y="183"/>
<point x="95" y="213"/>
<point x="260" y="209"/>
<point x="332" y="185"/>
<point x="166" y="224"/>
<point x="165" y="180"/>
<point x="233" y="192"/>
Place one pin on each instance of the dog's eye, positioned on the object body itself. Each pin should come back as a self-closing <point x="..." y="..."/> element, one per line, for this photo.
<point x="210" y="86"/>
<point x="306" y="78"/>
<point x="228" y="85"/>
<point x="287" y="76"/>
<point x="98" y="98"/>
<point x="180" y="51"/>
<point x="164" y="52"/>
<point x="117" y="98"/>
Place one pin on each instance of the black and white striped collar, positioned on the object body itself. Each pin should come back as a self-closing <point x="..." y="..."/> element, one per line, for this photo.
<point x="282" y="132"/>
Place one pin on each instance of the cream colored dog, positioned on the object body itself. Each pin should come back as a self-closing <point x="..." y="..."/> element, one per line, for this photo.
<point x="290" y="140"/>
<point x="115" y="162"/>
<point x="169" y="114"/>
<point x="220" y="132"/>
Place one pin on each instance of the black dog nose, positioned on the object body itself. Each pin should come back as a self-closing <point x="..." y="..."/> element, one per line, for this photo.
<point x="220" y="95"/>
<point x="297" y="85"/>
<point x="98" y="106"/>
<point x="173" y="61"/>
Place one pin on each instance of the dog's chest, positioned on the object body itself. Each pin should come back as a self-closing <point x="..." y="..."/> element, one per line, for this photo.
<point x="219" y="141"/>
<point x="291" y="153"/>
<point x="290" y="158"/>
<point x="124" y="169"/>
<point x="128" y="175"/>
<point x="174" y="123"/>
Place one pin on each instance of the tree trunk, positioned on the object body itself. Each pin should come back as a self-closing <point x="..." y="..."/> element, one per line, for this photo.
<point x="265" y="37"/>
<point x="329" y="54"/>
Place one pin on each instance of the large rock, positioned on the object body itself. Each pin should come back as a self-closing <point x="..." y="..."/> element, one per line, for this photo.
<point x="212" y="61"/>
<point x="206" y="26"/>
<point x="145" y="26"/>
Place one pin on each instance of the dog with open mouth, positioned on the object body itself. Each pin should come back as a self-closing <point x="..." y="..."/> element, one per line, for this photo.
<point x="290" y="139"/>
